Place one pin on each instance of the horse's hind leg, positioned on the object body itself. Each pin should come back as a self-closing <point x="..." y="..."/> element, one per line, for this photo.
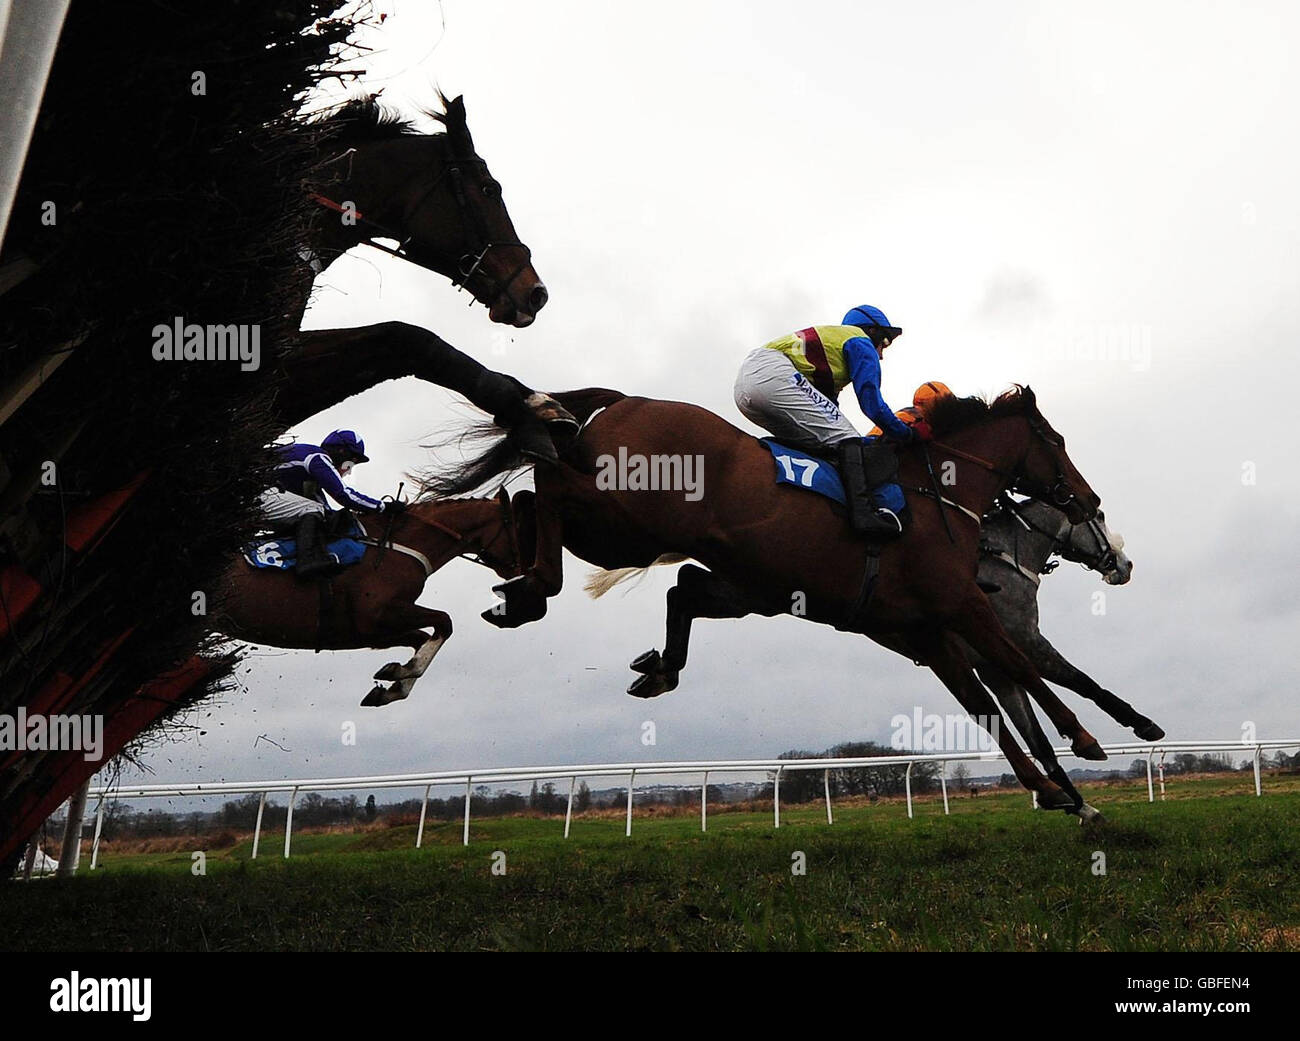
<point x="697" y="594"/>
<point x="943" y="654"/>
<point x="401" y="677"/>
<point x="979" y="626"/>
<point x="1054" y="667"/>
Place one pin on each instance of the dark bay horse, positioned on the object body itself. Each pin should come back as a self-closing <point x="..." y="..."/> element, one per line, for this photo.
<point x="372" y="603"/>
<point x="435" y="197"/>
<point x="771" y="549"/>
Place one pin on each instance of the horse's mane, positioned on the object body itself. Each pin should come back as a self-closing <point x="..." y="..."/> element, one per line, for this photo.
<point x="368" y="119"/>
<point x="951" y="413"/>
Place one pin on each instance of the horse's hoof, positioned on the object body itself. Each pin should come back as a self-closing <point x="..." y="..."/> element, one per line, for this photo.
<point x="650" y="686"/>
<point x="378" y="696"/>
<point x="647" y="663"/>
<point x="1089" y="815"/>
<point x="391" y="671"/>
<point x="1089" y="749"/>
<point x="1149" y="731"/>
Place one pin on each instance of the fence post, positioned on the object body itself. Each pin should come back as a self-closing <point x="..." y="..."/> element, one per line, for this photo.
<point x="99" y="826"/>
<point x="465" y="840"/>
<point x="1258" y="790"/>
<point x="907" y="780"/>
<point x="70" y="847"/>
<point x="704" y="803"/>
<point x="1151" y="791"/>
<point x="1161" y="767"/>
<point x="424" y="808"/>
<point x="568" y="814"/>
<point x="776" y="798"/>
<point x="826" y="784"/>
<point x="630" y="782"/>
<point x="288" y="823"/>
<point x="943" y="783"/>
<point x="257" y="828"/>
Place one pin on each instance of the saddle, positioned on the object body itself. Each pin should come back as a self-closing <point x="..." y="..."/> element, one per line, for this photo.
<point x="342" y="532"/>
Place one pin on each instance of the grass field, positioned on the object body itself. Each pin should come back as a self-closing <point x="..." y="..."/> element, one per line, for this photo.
<point x="1213" y="868"/>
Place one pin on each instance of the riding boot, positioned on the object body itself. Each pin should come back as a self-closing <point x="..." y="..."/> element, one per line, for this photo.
<point x="312" y="558"/>
<point x="865" y="517"/>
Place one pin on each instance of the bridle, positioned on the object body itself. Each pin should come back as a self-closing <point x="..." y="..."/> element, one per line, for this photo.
<point x="478" y="242"/>
<point x="1058" y="494"/>
<point x="1106" y="558"/>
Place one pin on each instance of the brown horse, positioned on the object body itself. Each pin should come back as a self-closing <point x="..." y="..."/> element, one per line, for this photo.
<point x="772" y="549"/>
<point x="372" y="603"/>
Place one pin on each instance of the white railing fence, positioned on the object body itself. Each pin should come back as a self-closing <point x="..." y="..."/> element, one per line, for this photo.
<point x="505" y="775"/>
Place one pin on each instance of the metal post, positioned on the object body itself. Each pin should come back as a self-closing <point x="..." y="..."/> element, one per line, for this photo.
<point x="465" y="840"/>
<point x="257" y="828"/>
<point x="99" y="827"/>
<point x="1258" y="790"/>
<point x="776" y="798"/>
<point x="826" y="784"/>
<point x="943" y="783"/>
<point x="907" y="779"/>
<point x="1151" y="792"/>
<point x="568" y="813"/>
<point x="1033" y="799"/>
<point x="630" y="782"/>
<point x="1161" y="767"/>
<point x="704" y="803"/>
<point x="424" y="809"/>
<point x="288" y="823"/>
<point x="70" y="850"/>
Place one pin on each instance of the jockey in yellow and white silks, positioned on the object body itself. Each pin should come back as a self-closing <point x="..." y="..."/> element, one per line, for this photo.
<point x="790" y="387"/>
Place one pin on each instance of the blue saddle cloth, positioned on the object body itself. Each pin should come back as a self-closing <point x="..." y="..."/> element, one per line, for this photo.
<point x="282" y="553"/>
<point x="801" y="470"/>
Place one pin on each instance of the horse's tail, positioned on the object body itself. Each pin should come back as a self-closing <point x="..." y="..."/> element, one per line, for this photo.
<point x="501" y="456"/>
<point x="601" y="582"/>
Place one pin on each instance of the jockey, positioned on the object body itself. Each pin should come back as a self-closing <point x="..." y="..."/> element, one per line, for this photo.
<point x="923" y="400"/>
<point x="790" y="387"/>
<point x="305" y="475"/>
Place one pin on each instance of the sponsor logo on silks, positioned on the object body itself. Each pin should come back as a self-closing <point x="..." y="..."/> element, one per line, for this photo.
<point x="182" y="341"/>
<point x="126" y="994"/>
<point x="57" y="733"/>
<point x="632" y="472"/>
<point x="931" y="732"/>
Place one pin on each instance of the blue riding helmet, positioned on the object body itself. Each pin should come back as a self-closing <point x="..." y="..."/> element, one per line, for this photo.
<point x="346" y="441"/>
<point x="869" y="316"/>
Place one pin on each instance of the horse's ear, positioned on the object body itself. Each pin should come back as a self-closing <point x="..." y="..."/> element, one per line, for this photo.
<point x="1031" y="399"/>
<point x="503" y="496"/>
<point x="457" y="125"/>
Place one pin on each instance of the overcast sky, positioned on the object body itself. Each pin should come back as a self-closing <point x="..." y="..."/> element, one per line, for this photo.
<point x="1013" y="183"/>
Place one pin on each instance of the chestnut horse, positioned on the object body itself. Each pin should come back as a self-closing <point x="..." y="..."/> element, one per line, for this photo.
<point x="772" y="549"/>
<point x="372" y="603"/>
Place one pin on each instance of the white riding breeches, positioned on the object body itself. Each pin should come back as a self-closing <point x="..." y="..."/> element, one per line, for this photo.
<point x="282" y="510"/>
<point x="771" y="392"/>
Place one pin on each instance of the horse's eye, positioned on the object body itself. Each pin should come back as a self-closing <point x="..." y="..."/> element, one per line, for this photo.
<point x="492" y="189"/>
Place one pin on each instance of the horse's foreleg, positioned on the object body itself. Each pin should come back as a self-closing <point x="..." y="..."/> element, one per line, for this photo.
<point x="978" y="625"/>
<point x="401" y="677"/>
<point x="540" y="526"/>
<point x="946" y="660"/>
<point x="1015" y="703"/>
<point x="1053" y="666"/>
<point x="698" y="594"/>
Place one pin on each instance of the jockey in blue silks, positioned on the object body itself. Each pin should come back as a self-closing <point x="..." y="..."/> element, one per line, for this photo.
<point x="306" y="474"/>
<point x="790" y="388"/>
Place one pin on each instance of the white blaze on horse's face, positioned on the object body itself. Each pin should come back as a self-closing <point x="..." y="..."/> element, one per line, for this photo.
<point x="1123" y="569"/>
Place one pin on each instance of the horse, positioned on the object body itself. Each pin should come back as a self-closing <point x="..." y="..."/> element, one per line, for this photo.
<point x="771" y="549"/>
<point x="433" y="195"/>
<point x="372" y="603"/>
